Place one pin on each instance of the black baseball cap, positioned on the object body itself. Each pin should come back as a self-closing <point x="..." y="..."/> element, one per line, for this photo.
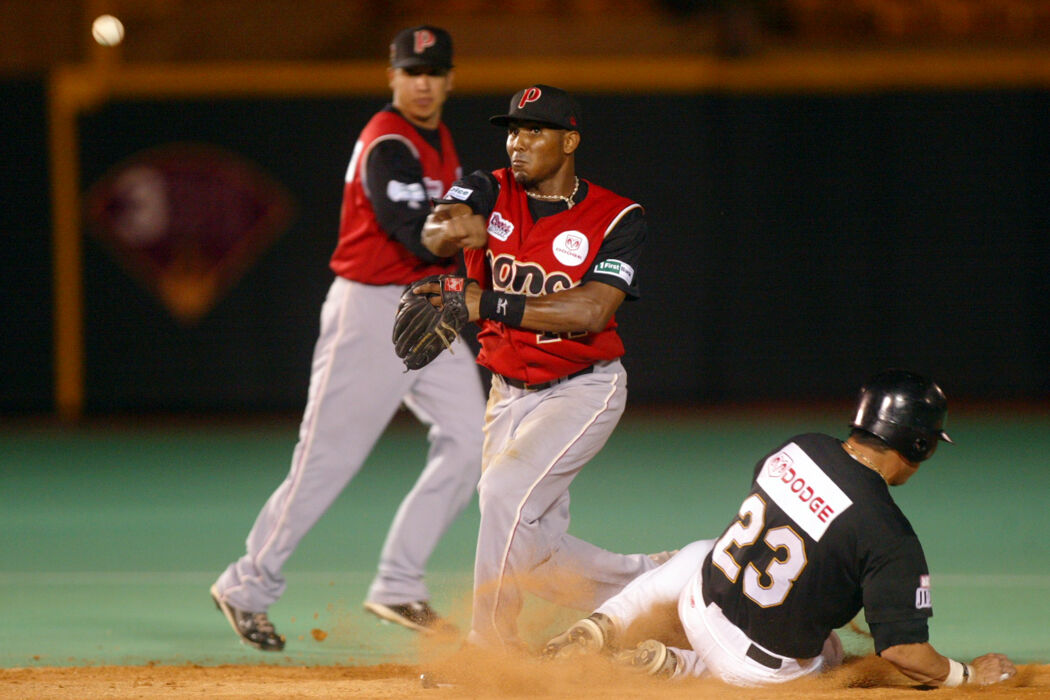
<point x="542" y="104"/>
<point x="424" y="45"/>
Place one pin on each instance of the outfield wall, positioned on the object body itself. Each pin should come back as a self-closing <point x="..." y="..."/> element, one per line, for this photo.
<point x="799" y="239"/>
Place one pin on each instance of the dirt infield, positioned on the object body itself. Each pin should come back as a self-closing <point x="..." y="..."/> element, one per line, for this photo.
<point x="868" y="677"/>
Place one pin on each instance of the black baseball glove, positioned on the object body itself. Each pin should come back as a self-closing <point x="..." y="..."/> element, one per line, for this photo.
<point x="421" y="330"/>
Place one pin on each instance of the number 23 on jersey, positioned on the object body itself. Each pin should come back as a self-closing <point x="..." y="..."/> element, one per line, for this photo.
<point x="770" y="587"/>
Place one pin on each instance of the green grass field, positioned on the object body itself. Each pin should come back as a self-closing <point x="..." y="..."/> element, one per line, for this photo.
<point x="112" y="534"/>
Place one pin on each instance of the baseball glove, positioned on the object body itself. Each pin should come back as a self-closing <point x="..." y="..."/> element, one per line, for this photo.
<point x="421" y="330"/>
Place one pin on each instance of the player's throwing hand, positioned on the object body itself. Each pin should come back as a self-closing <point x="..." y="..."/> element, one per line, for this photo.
<point x="450" y="229"/>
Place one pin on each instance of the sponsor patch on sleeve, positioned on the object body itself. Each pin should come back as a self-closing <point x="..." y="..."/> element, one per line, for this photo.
<point x="460" y="193"/>
<point x="922" y="593"/>
<point x="410" y="192"/>
<point x="616" y="269"/>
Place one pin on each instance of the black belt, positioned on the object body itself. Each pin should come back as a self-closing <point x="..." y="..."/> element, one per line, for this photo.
<point x="518" y="384"/>
<point x="767" y="660"/>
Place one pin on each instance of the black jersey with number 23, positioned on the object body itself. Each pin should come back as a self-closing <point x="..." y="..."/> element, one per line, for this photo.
<point x="817" y="539"/>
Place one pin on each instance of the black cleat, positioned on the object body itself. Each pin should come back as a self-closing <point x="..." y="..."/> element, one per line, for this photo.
<point x="253" y="628"/>
<point x="418" y="616"/>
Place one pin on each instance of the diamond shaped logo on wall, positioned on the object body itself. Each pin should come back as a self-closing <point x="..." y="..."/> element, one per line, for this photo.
<point x="187" y="220"/>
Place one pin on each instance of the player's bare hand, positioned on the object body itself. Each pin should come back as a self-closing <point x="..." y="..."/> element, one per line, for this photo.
<point x="453" y="227"/>
<point x="992" y="668"/>
<point x="466" y="229"/>
<point x="432" y="291"/>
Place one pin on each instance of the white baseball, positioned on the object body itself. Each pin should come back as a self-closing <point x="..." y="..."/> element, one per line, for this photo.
<point x="107" y="30"/>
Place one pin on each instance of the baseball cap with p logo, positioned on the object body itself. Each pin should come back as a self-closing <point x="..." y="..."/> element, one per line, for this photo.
<point x="542" y="104"/>
<point x="424" y="45"/>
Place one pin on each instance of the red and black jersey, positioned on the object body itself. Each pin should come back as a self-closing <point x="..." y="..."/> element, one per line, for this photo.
<point x="817" y="539"/>
<point x="365" y="252"/>
<point x="535" y="256"/>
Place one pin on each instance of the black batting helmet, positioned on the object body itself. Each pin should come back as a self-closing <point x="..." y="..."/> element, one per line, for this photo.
<point x="905" y="410"/>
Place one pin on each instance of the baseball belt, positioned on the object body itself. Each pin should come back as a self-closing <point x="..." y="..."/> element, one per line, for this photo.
<point x="518" y="384"/>
<point x="767" y="660"/>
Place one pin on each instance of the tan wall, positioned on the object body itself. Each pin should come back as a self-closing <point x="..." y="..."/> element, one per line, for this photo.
<point x="36" y="34"/>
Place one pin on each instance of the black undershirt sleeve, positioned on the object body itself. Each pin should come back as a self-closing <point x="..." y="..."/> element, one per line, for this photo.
<point x="478" y="190"/>
<point x="624" y="246"/>
<point x="399" y="199"/>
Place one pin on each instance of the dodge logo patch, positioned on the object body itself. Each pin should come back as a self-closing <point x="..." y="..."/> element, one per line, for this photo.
<point x="570" y="248"/>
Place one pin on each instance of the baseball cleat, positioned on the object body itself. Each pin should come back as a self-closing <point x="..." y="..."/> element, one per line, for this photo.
<point x="253" y="628"/>
<point x="650" y="657"/>
<point x="418" y="616"/>
<point x="591" y="635"/>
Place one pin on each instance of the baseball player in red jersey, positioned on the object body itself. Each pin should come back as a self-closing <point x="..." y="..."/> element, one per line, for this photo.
<point x="403" y="157"/>
<point x="817" y="539"/>
<point x="554" y="256"/>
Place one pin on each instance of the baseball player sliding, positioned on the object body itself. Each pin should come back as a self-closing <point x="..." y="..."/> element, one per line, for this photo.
<point x="403" y="156"/>
<point x="550" y="258"/>
<point x="817" y="539"/>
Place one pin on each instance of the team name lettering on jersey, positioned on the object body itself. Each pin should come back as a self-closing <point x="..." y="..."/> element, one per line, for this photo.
<point x="570" y="248"/>
<point x="411" y="192"/>
<point x="509" y="275"/>
<point x="802" y="490"/>
<point x="499" y="227"/>
<point x="461" y="193"/>
<point x="615" y="268"/>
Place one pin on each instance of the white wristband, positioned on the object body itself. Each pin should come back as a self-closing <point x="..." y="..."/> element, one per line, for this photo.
<point x="958" y="674"/>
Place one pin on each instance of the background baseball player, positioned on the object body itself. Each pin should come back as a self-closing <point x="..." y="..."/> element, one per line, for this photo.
<point x="403" y="157"/>
<point x="817" y="539"/>
<point x="554" y="256"/>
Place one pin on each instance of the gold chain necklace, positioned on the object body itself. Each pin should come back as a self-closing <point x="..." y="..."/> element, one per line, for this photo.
<point x="558" y="197"/>
<point x="863" y="460"/>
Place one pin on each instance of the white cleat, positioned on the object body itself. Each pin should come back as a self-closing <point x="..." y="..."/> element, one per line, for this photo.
<point x="650" y="657"/>
<point x="591" y="635"/>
